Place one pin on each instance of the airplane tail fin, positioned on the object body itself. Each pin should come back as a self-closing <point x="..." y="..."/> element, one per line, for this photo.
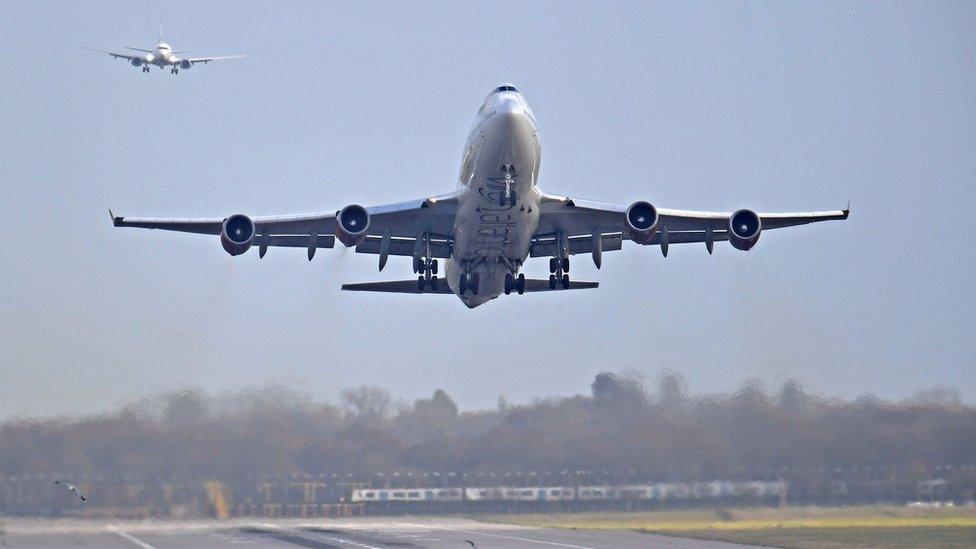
<point x="160" y="28"/>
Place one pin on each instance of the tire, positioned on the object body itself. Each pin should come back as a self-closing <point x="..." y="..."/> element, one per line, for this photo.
<point x="552" y="282"/>
<point x="520" y="284"/>
<point x="433" y="266"/>
<point x="565" y="282"/>
<point x="509" y="283"/>
<point x="433" y="283"/>
<point x="416" y="264"/>
<point x="421" y="283"/>
<point x="553" y="264"/>
<point x="565" y="265"/>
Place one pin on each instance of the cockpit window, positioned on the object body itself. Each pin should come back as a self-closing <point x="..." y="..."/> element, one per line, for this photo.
<point x="506" y="89"/>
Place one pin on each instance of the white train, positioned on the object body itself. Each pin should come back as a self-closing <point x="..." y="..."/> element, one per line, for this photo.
<point x="678" y="491"/>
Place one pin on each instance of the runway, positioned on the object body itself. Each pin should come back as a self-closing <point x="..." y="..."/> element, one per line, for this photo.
<point x="364" y="533"/>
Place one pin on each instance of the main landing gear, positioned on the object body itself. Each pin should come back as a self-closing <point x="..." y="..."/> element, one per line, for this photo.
<point x="559" y="269"/>
<point x="468" y="283"/>
<point x="427" y="268"/>
<point x="145" y="68"/>
<point x="516" y="283"/>
<point x="174" y="70"/>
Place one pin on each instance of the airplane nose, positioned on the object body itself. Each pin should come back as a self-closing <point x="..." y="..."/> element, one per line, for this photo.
<point x="510" y="107"/>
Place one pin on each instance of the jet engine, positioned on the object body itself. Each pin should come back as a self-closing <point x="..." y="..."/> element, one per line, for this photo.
<point x="744" y="229"/>
<point x="136" y="61"/>
<point x="185" y="64"/>
<point x="351" y="225"/>
<point x="641" y="222"/>
<point x="236" y="234"/>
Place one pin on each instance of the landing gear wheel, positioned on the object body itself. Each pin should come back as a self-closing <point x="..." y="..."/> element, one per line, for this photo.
<point x="475" y="282"/>
<point x="553" y="264"/>
<point x="509" y="283"/>
<point x="552" y="282"/>
<point x="520" y="284"/>
<point x="433" y="266"/>
<point x="463" y="285"/>
<point x="511" y="201"/>
<point x="416" y="264"/>
<point x="433" y="283"/>
<point x="421" y="283"/>
<point x="501" y="199"/>
<point x="566" y="282"/>
<point x="565" y="264"/>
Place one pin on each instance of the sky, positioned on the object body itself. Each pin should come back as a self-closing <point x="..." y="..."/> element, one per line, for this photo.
<point x="699" y="105"/>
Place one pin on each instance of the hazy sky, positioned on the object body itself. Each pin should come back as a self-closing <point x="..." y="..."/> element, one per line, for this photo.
<point x="772" y="106"/>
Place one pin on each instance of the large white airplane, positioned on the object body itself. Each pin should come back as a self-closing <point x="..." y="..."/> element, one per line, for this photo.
<point x="161" y="55"/>
<point x="496" y="219"/>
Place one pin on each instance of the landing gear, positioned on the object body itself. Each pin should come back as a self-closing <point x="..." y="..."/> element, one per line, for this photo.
<point x="559" y="267"/>
<point x="145" y="68"/>
<point x="174" y="70"/>
<point x="425" y="281"/>
<point x="468" y="282"/>
<point x="424" y="264"/>
<point x="516" y="283"/>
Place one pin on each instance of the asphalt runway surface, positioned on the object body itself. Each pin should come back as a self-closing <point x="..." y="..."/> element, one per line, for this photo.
<point x="360" y="533"/>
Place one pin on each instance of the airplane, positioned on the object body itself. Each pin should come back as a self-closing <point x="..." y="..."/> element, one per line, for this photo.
<point x="162" y="55"/>
<point x="494" y="221"/>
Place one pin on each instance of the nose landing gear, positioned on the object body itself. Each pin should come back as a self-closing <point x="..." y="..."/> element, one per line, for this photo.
<point x="174" y="70"/>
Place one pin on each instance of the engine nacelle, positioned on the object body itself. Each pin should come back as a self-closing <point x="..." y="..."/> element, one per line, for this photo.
<point x="136" y="61"/>
<point x="641" y="222"/>
<point x="351" y="225"/>
<point x="744" y="229"/>
<point x="185" y="64"/>
<point x="236" y="234"/>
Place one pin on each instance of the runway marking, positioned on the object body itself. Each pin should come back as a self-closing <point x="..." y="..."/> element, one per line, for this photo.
<point x="314" y="534"/>
<point x="502" y="536"/>
<point x="130" y="538"/>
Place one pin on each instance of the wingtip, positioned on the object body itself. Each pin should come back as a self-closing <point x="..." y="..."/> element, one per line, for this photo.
<point x="847" y="210"/>
<point x="116" y="221"/>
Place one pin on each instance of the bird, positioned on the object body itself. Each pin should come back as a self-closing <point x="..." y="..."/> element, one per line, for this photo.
<point x="72" y="489"/>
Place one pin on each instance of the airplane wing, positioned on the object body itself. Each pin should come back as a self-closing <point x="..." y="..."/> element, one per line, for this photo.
<point x="112" y="53"/>
<point x="580" y="221"/>
<point x="206" y="60"/>
<point x="404" y="222"/>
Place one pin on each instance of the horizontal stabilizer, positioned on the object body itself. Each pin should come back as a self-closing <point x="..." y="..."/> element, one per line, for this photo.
<point x="412" y="287"/>
<point x="542" y="285"/>
<point x="398" y="287"/>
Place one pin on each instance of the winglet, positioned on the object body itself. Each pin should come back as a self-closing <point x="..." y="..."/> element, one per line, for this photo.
<point x="116" y="221"/>
<point x="847" y="210"/>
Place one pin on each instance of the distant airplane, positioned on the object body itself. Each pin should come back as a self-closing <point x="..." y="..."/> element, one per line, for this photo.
<point x="162" y="55"/>
<point x="493" y="222"/>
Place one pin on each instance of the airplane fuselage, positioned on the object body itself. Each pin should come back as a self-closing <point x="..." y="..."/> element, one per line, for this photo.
<point x="499" y="202"/>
